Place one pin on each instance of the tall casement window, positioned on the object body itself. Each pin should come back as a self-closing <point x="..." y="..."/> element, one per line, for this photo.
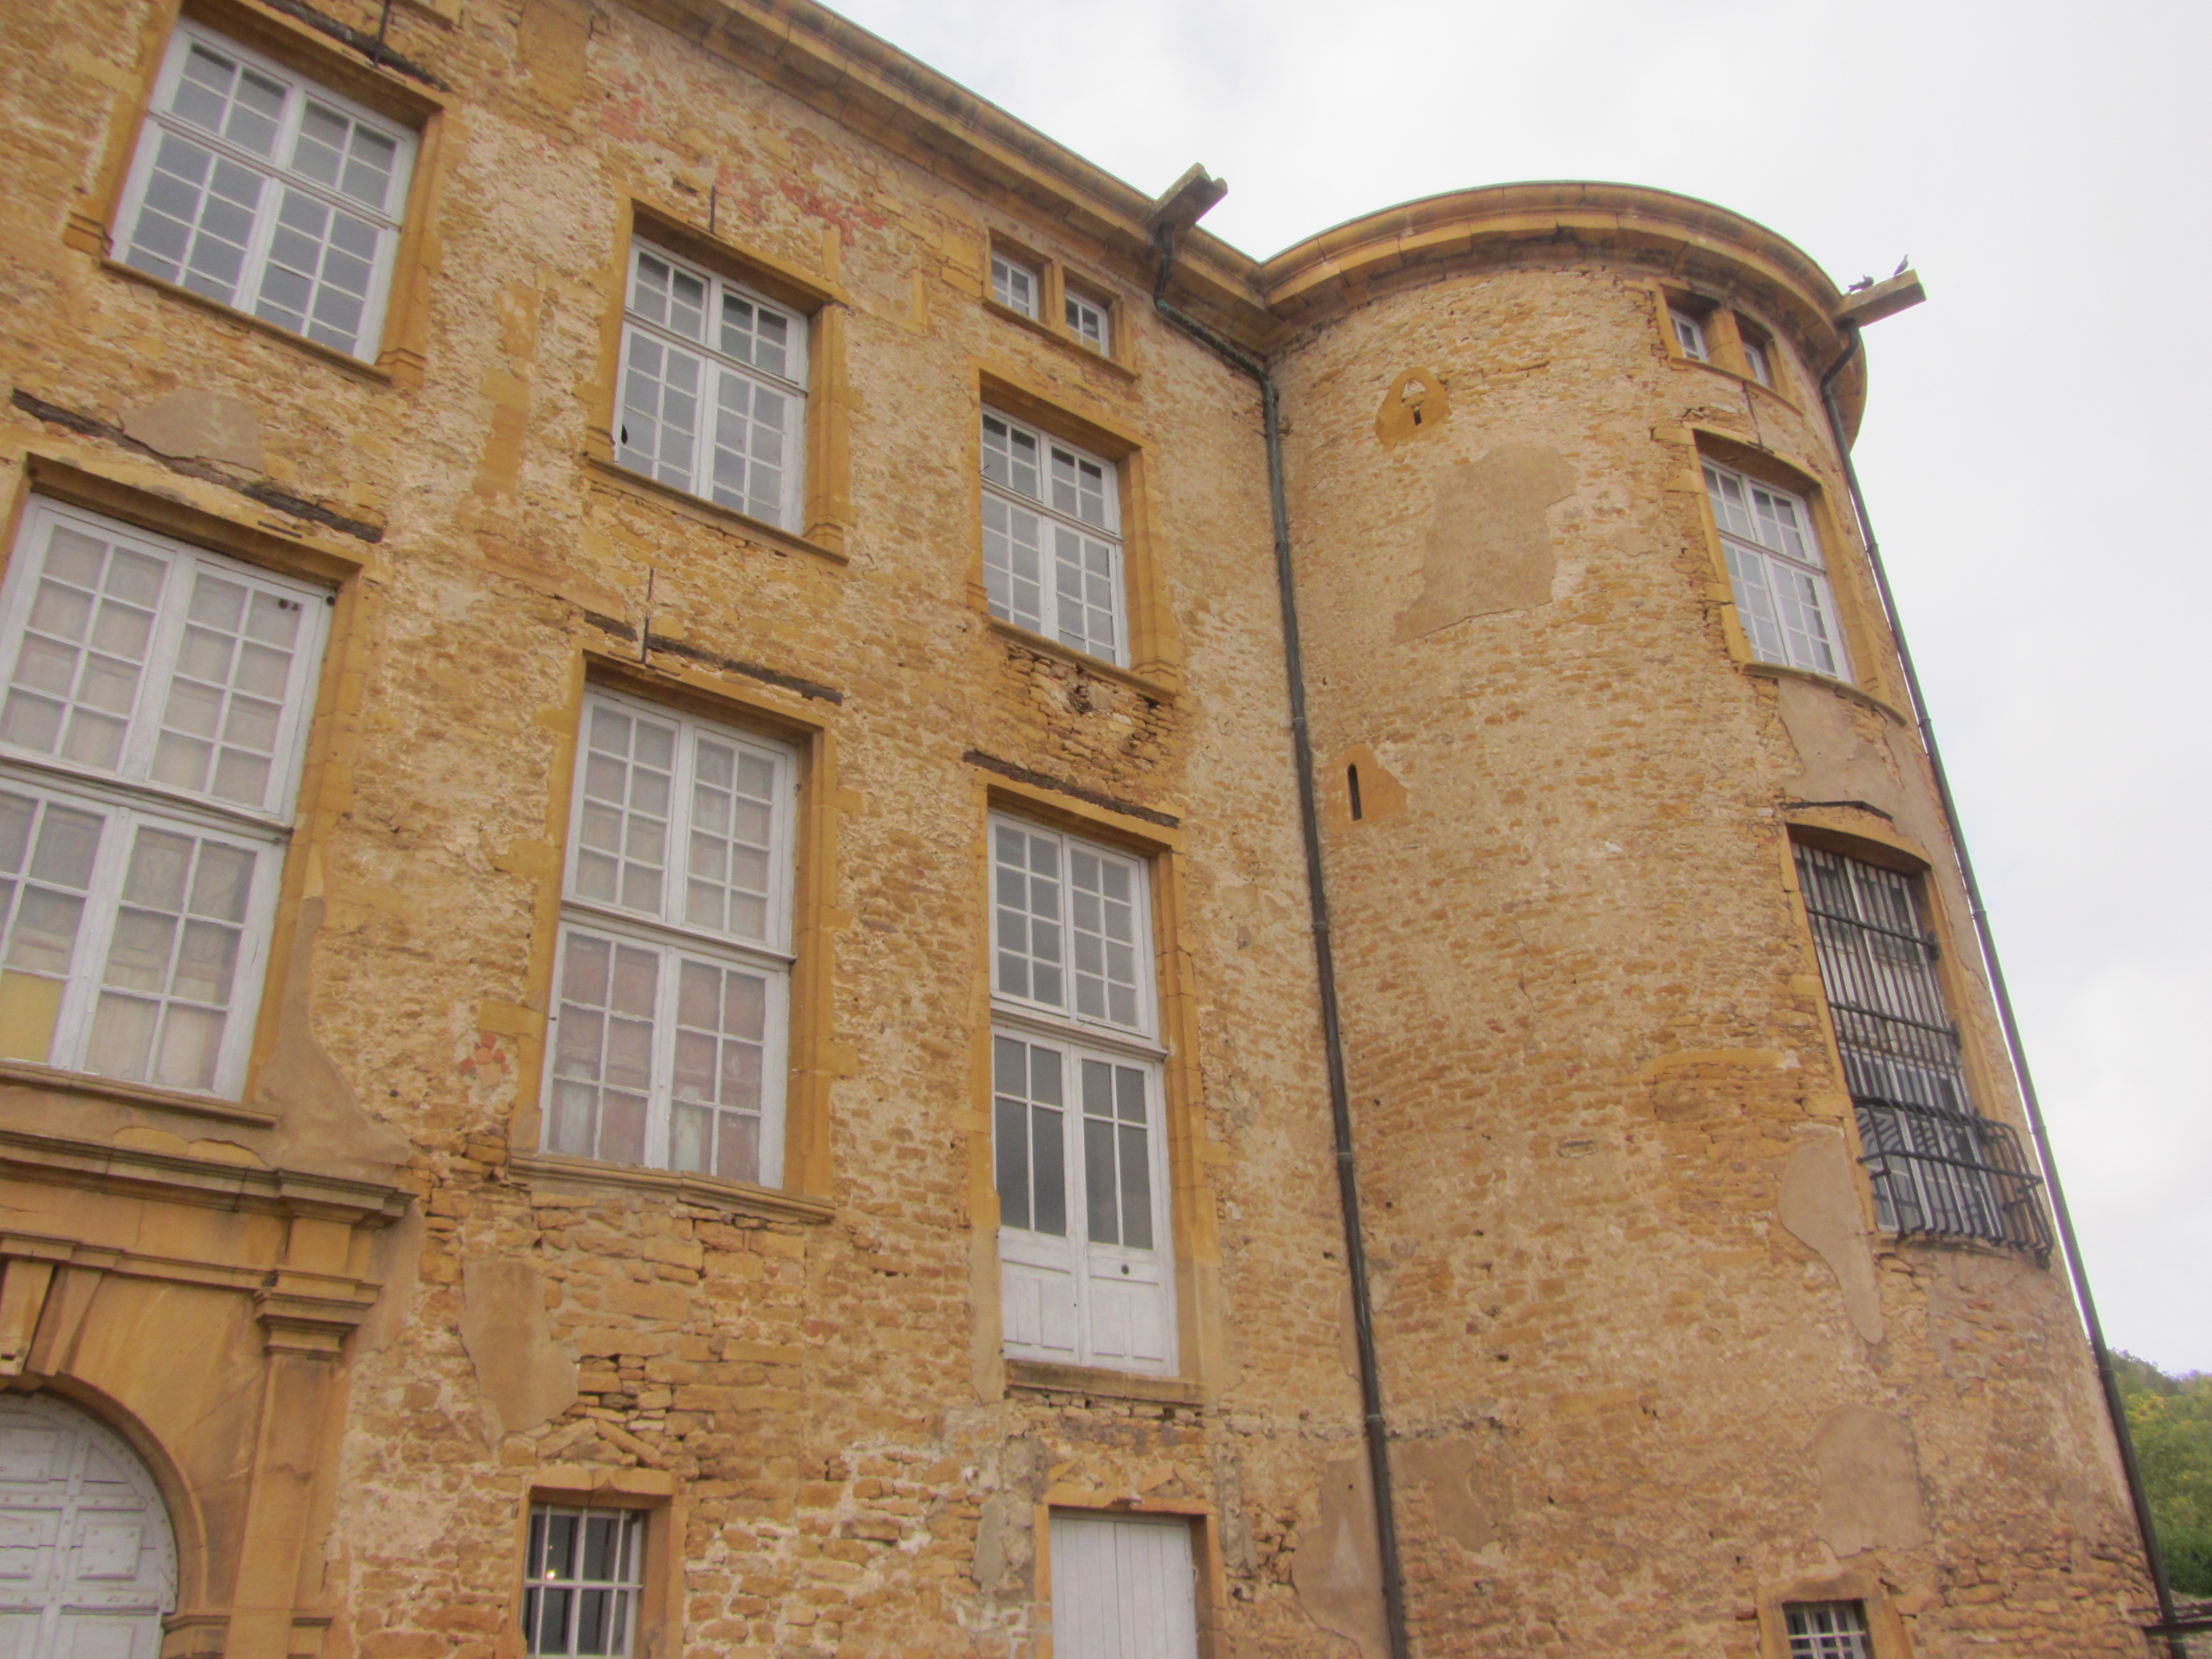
<point x="1780" y="580"/>
<point x="583" y="1573"/>
<point x="1123" y="1587"/>
<point x="1936" y="1165"/>
<point x="1052" y="540"/>
<point x="714" y="389"/>
<point x="1086" y="1272"/>
<point x="156" y="707"/>
<point x="1827" y="1630"/>
<point x="672" y="984"/>
<point x="255" y="187"/>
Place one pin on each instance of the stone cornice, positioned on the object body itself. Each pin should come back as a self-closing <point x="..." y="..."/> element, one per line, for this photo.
<point x="183" y="1178"/>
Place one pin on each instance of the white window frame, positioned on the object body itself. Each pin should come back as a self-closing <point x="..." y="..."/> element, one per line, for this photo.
<point x="1075" y="1284"/>
<point x="1016" y="285"/>
<point x="299" y="90"/>
<point x="1690" y="335"/>
<point x="624" y="1589"/>
<point x="1092" y="322"/>
<point x="126" y="796"/>
<point x="1780" y="580"/>
<point x="1827" y="1630"/>
<point x="1055" y="516"/>
<point x="712" y="366"/>
<point x="662" y="931"/>
<point x="1760" y="360"/>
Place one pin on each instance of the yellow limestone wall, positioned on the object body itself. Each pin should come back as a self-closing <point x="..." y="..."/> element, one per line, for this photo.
<point x="356" y="1320"/>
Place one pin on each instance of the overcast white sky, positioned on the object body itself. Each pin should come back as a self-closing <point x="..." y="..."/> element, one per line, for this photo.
<point x="2032" y="437"/>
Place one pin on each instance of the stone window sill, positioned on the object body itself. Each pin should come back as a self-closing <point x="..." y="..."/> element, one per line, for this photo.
<point x="1036" y="1376"/>
<point x="1061" y="338"/>
<point x="1781" y="670"/>
<point x="1752" y="381"/>
<point x="25" y="1074"/>
<point x="371" y="371"/>
<point x="709" y="1191"/>
<point x="1045" y="646"/>
<point x="713" y="513"/>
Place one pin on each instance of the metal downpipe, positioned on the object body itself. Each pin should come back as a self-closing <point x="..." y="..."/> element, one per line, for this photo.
<point x="1339" y="1095"/>
<point x="2115" y="1407"/>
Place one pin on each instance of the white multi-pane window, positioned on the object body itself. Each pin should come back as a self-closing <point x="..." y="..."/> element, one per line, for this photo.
<point x="1123" y="1587"/>
<point x="1775" y="567"/>
<point x="714" y="389"/>
<point x="1691" y="333"/>
<point x="1087" y="321"/>
<point x="672" y="991"/>
<point x="156" y="706"/>
<point x="1015" y="285"/>
<point x="1827" y="1630"/>
<point x="255" y="187"/>
<point x="583" y="1573"/>
<point x="1086" y="1267"/>
<point x="1756" y="359"/>
<point x="1052" y="540"/>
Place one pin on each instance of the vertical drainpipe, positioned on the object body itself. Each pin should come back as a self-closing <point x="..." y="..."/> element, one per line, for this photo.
<point x="1339" y="1095"/>
<point x="2115" y="1407"/>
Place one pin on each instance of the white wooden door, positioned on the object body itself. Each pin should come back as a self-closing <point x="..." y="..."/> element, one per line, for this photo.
<point x="1123" y="1587"/>
<point x="88" y="1565"/>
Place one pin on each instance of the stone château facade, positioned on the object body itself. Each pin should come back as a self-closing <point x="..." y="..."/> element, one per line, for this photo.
<point x="660" y="995"/>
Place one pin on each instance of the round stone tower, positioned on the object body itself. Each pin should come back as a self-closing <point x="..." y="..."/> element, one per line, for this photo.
<point x="1713" y="1303"/>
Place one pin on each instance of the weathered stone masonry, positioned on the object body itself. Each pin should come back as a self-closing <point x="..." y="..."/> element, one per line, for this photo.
<point x="1652" y="1369"/>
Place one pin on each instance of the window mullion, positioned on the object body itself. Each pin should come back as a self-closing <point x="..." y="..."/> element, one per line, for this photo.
<point x="137" y="761"/>
<point x="103" y="900"/>
<point x="660" y="1091"/>
<point x="711" y="370"/>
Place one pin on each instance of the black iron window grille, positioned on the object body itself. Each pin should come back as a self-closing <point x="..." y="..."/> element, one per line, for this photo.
<point x="1938" y="1168"/>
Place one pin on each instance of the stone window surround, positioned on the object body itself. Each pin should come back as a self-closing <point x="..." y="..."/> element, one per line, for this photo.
<point x="814" y="1058"/>
<point x="92" y="228"/>
<point x="1858" y="613"/>
<point x="660" y="1495"/>
<point x="1204" y="1522"/>
<point x="1192" y="1221"/>
<point x="826" y="506"/>
<point x="1154" y="643"/>
<point x="1885" y="1615"/>
<point x="1726" y="332"/>
<point x="1051" y="320"/>
<point x="326" y="768"/>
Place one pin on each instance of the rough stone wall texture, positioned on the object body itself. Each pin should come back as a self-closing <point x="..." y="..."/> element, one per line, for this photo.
<point x="1646" y="1365"/>
<point x="1630" y="1398"/>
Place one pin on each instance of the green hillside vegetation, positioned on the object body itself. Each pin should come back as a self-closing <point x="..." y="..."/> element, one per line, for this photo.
<point x="2171" y="1420"/>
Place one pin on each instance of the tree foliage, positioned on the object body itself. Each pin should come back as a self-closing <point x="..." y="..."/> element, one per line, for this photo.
<point x="2170" y="1420"/>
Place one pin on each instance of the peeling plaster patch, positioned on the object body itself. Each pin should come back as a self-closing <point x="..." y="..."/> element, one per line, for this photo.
<point x="1336" y="1570"/>
<point x="1381" y="794"/>
<point x="1489" y="547"/>
<point x="203" y="426"/>
<point x="1416" y="403"/>
<point x="1870" y="1482"/>
<point x="320" y="1120"/>
<point x="1819" y="1204"/>
<point x="1469" y="1485"/>
<point x="525" y="1376"/>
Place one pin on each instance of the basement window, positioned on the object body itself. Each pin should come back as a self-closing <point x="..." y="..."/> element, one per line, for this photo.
<point x="255" y="188"/>
<point x="1827" y="1630"/>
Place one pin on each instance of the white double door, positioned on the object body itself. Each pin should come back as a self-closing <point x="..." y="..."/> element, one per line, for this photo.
<point x="88" y="1565"/>
<point x="1086" y="1274"/>
<point x="1122" y="1588"/>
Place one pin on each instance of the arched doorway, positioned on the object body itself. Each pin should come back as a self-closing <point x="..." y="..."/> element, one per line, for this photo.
<point x="87" y="1563"/>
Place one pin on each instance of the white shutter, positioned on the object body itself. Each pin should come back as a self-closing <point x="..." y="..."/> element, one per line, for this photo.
<point x="1122" y="1588"/>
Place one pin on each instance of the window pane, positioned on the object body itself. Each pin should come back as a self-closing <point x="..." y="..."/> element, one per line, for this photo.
<point x="622" y="817"/>
<point x="83" y="648"/>
<point x="46" y="853"/>
<point x="225" y="700"/>
<point x="720" y="1033"/>
<point x="1028" y="921"/>
<point x="749" y="447"/>
<point x="1100" y="1185"/>
<point x="1013" y="564"/>
<point x="602" y="1047"/>
<point x="321" y="262"/>
<point x="1102" y="919"/>
<point x="732" y="855"/>
<point x="582" y="1574"/>
<point x="660" y="424"/>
